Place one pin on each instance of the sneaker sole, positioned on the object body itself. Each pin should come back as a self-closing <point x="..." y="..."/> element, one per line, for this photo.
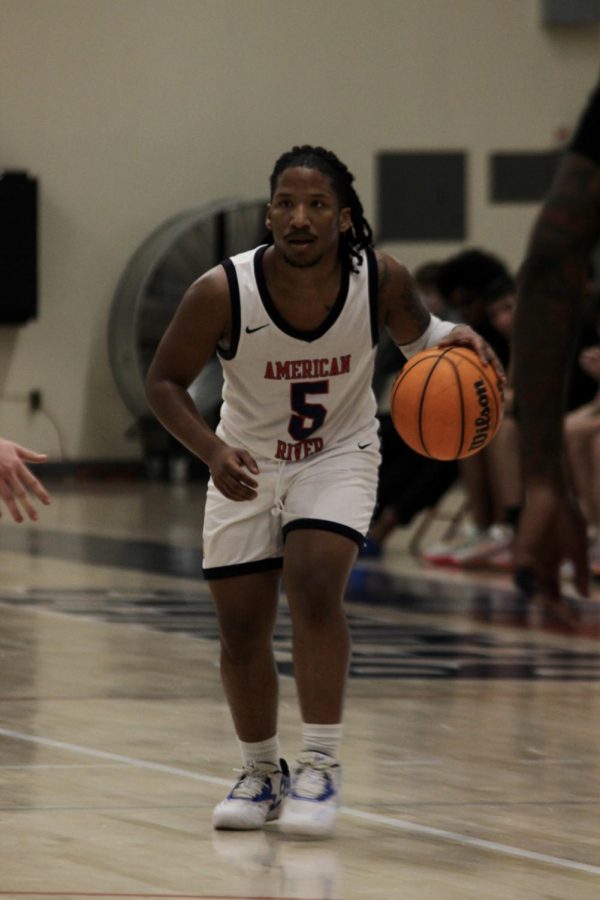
<point x="292" y="822"/>
<point x="302" y="828"/>
<point x="227" y="822"/>
<point x="223" y="823"/>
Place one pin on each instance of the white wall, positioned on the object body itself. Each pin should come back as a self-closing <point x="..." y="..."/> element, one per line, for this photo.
<point x="129" y="111"/>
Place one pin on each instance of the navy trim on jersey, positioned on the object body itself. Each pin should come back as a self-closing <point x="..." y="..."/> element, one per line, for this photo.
<point x="278" y="319"/>
<point x="236" y="313"/>
<point x="325" y="525"/>
<point x="373" y="294"/>
<point x="259" y="565"/>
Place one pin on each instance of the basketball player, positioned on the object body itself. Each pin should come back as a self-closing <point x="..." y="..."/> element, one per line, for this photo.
<point x="293" y="462"/>
<point x="17" y="483"/>
<point x="549" y="312"/>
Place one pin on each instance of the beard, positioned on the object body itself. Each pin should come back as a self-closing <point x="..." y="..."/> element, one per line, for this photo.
<point x="301" y="263"/>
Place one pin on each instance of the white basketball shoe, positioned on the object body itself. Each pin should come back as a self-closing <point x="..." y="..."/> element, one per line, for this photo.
<point x="314" y="800"/>
<point x="255" y="798"/>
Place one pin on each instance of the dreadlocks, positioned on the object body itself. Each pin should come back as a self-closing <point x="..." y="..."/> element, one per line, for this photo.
<point x="360" y="235"/>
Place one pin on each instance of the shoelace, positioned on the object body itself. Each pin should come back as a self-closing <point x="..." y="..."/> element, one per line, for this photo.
<point x="250" y="784"/>
<point x="312" y="778"/>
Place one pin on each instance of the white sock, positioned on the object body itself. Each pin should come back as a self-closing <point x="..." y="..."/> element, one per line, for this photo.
<point x="261" y="751"/>
<point x="322" y="738"/>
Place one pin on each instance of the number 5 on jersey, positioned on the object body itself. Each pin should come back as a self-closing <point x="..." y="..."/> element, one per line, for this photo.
<point x="306" y="417"/>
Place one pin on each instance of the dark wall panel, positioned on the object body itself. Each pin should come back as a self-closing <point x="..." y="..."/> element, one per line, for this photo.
<point x="18" y="248"/>
<point x="570" y="12"/>
<point x="421" y="196"/>
<point x="521" y="177"/>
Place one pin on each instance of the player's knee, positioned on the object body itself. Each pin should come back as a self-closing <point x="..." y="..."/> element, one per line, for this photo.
<point x="241" y="641"/>
<point x="316" y="608"/>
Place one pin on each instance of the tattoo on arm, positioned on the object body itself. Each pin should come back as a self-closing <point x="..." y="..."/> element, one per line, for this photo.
<point x="401" y="308"/>
<point x="384" y="272"/>
<point x="415" y="310"/>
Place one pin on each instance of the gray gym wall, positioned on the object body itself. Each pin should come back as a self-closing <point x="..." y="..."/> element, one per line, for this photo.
<point x="129" y="111"/>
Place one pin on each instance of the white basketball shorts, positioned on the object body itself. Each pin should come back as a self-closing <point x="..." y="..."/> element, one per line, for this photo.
<point x="334" y="490"/>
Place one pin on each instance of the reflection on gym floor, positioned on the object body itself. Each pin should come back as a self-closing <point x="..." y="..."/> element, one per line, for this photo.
<point x="470" y="742"/>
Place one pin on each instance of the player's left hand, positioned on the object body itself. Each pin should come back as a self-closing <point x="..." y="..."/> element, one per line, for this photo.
<point x="465" y="336"/>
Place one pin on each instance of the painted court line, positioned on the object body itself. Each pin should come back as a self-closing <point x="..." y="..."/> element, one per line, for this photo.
<point x="62" y="894"/>
<point x="115" y="757"/>
<point x="478" y="843"/>
<point x="28" y="767"/>
<point x="375" y="818"/>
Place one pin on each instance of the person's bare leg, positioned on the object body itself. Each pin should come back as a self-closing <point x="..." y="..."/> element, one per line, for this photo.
<point x="594" y="519"/>
<point x="247" y="610"/>
<point x="578" y="444"/>
<point x="505" y="469"/>
<point x="317" y="565"/>
<point x="473" y="473"/>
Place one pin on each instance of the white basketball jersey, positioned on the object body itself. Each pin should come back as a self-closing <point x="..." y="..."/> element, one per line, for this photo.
<point x="290" y="394"/>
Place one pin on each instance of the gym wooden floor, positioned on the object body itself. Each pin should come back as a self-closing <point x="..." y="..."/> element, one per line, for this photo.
<point x="471" y="754"/>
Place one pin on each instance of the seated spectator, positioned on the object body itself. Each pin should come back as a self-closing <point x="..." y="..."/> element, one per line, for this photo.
<point x="481" y="288"/>
<point x="582" y="432"/>
<point x="582" y="439"/>
<point x="408" y="482"/>
<point x="426" y="279"/>
<point x="463" y="281"/>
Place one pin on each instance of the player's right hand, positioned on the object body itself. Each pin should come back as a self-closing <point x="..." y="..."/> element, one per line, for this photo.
<point x="230" y="468"/>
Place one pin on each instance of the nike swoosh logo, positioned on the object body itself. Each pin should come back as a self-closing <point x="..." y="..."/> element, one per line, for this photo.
<point x="364" y="446"/>
<point x="252" y="330"/>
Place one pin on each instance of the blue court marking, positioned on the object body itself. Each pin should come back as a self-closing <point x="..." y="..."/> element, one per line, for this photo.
<point x="407" y="648"/>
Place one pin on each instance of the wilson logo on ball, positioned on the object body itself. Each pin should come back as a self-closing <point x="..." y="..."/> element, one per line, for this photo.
<point x="482" y="422"/>
<point x="446" y="403"/>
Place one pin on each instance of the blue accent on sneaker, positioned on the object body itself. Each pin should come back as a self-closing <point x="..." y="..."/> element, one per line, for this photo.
<point x="265" y="794"/>
<point x="315" y="799"/>
<point x="329" y="791"/>
<point x="256" y="797"/>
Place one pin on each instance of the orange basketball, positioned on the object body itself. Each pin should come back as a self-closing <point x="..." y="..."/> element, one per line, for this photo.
<point x="446" y="404"/>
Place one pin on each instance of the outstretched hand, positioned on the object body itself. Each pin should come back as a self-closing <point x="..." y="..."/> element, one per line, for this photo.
<point x="229" y="468"/>
<point x="551" y="531"/>
<point x="17" y="483"/>
<point x="465" y="336"/>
